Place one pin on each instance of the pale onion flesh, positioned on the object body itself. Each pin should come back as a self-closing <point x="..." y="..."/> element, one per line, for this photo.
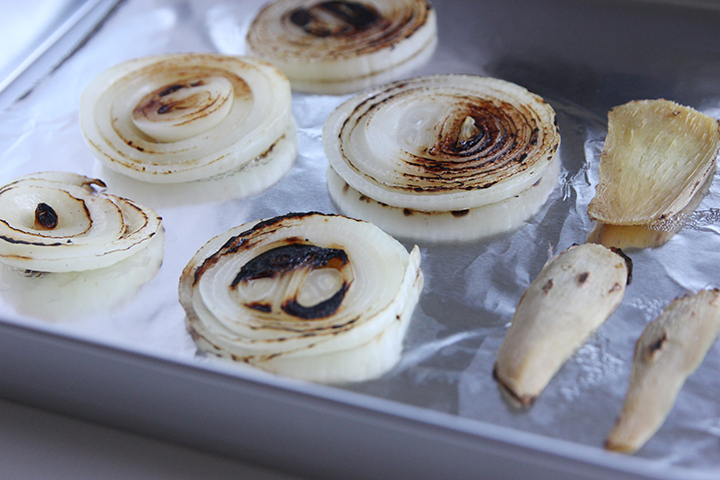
<point x="318" y="297"/>
<point x="442" y="143"/>
<point x="251" y="178"/>
<point x="91" y="229"/>
<point x="184" y="117"/>
<point x="70" y="296"/>
<point x="657" y="155"/>
<point x="669" y="350"/>
<point x="458" y="225"/>
<point x="572" y="296"/>
<point x="338" y="47"/>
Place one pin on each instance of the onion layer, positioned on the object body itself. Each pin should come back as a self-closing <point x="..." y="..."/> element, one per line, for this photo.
<point x="73" y="295"/>
<point x="343" y="46"/>
<point x="442" y="143"/>
<point x="184" y="117"/>
<point x="318" y="297"/>
<point x="457" y="225"/>
<point x="60" y="222"/>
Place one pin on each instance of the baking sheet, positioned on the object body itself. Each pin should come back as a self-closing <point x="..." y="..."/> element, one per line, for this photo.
<point x="583" y="60"/>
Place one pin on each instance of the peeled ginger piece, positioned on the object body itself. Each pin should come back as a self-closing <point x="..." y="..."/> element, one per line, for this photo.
<point x="657" y="156"/>
<point x="669" y="350"/>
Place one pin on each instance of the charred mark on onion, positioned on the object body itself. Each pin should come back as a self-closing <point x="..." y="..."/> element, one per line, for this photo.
<point x="322" y="309"/>
<point x="294" y="257"/>
<point x="45" y="216"/>
<point x="335" y="18"/>
<point x="281" y="260"/>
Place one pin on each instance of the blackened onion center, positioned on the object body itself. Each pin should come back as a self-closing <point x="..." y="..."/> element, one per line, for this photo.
<point x="286" y="259"/>
<point x="335" y="18"/>
<point x="45" y="216"/>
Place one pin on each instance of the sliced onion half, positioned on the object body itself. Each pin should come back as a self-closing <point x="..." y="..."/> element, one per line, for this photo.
<point x="184" y="117"/>
<point x="62" y="222"/>
<point x="443" y="144"/>
<point x="319" y="297"/>
<point x="338" y="47"/>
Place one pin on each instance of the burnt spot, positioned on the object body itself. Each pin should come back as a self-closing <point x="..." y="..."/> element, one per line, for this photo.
<point x="286" y="258"/>
<point x="519" y="401"/>
<point x="459" y="213"/>
<point x="7" y="239"/>
<point x="582" y="278"/>
<point x="407" y="212"/>
<point x="320" y="310"/>
<point x="260" y="307"/>
<point x="346" y="18"/>
<point x="160" y="102"/>
<point x="293" y="257"/>
<point x="170" y="89"/>
<point x="231" y="246"/>
<point x="656" y="346"/>
<point x="45" y="217"/>
<point x="548" y="286"/>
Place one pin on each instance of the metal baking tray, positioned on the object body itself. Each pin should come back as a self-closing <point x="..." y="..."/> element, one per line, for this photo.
<point x="439" y="413"/>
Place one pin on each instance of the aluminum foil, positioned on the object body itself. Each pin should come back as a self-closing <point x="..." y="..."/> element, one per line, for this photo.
<point x="471" y="289"/>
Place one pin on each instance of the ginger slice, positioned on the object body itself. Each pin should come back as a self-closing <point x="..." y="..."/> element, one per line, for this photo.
<point x="657" y="155"/>
<point x="668" y="351"/>
<point x="571" y="297"/>
<point x="647" y="236"/>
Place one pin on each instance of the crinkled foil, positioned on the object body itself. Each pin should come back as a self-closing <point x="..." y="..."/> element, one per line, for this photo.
<point x="471" y="289"/>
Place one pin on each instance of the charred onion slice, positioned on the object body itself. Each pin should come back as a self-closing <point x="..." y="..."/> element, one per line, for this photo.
<point x="657" y="155"/>
<point x="669" y="350"/>
<point x="184" y="117"/>
<point x="442" y="143"/>
<point x="338" y="47"/>
<point x="62" y="222"/>
<point x="318" y="297"/>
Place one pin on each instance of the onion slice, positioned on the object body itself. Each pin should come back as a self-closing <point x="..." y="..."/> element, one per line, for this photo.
<point x="318" y="297"/>
<point x="458" y="225"/>
<point x="338" y="47"/>
<point x="184" y="117"/>
<point x="442" y="143"/>
<point x="62" y="222"/>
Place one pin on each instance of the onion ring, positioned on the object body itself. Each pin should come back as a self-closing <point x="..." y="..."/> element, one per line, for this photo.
<point x="318" y="297"/>
<point x="338" y="47"/>
<point x="91" y="229"/>
<point x="442" y="143"/>
<point x="184" y="117"/>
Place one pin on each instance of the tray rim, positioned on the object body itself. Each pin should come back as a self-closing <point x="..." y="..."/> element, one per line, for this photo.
<point x="495" y="441"/>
